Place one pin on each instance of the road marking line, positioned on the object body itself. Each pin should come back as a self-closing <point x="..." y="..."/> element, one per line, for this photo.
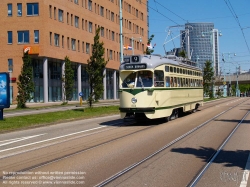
<point x="245" y="173"/>
<point x="19" y="139"/>
<point x="50" y="139"/>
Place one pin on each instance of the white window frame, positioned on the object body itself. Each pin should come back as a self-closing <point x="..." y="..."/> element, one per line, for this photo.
<point x="56" y="39"/>
<point x="73" y="44"/>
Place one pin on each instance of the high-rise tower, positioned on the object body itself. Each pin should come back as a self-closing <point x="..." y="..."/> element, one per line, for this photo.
<point x="203" y="44"/>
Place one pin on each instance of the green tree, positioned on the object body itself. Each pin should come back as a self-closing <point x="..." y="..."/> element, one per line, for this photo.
<point x="25" y="84"/>
<point x="68" y="80"/>
<point x="148" y="50"/>
<point x="208" y="76"/>
<point x="182" y="53"/>
<point x="95" y="67"/>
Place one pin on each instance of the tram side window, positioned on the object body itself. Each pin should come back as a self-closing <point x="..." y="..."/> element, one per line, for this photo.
<point x="129" y="81"/>
<point x="167" y="81"/>
<point x="171" y="69"/>
<point x="178" y="82"/>
<point x="158" y="78"/>
<point x="175" y="82"/>
<point x="167" y="68"/>
<point x="171" y="81"/>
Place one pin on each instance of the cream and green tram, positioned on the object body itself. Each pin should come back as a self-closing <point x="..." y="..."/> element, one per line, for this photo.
<point x="152" y="86"/>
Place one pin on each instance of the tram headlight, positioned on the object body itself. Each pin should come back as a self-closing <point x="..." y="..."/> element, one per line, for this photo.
<point x="134" y="100"/>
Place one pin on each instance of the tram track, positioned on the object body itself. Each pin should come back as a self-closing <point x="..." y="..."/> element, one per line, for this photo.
<point x="195" y="180"/>
<point x="215" y="154"/>
<point x="77" y="148"/>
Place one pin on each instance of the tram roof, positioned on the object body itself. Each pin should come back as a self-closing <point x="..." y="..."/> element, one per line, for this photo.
<point x="152" y="61"/>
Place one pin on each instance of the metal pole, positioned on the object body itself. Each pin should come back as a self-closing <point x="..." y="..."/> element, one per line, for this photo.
<point x="121" y="38"/>
<point x="212" y="43"/>
<point x="132" y="45"/>
<point x="237" y="86"/>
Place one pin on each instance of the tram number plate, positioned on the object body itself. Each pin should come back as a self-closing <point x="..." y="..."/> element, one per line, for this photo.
<point x="133" y="105"/>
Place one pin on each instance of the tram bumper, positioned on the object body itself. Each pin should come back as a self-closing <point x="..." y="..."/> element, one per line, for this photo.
<point x="137" y="110"/>
<point x="128" y="112"/>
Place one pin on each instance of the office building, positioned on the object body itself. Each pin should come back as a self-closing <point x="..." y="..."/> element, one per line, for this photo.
<point x="202" y="44"/>
<point x="53" y="29"/>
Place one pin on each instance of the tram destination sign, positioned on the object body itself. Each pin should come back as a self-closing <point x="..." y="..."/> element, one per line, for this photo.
<point x="135" y="66"/>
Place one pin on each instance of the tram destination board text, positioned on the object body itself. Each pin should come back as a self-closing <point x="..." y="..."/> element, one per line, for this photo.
<point x="136" y="66"/>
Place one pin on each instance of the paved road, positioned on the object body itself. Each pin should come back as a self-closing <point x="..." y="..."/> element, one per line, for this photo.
<point x="162" y="154"/>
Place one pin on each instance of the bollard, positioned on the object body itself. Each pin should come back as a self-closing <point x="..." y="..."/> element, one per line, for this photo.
<point x="80" y="101"/>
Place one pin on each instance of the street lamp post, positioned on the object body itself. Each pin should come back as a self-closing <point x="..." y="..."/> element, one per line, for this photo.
<point x="121" y="36"/>
<point x="224" y="81"/>
<point x="237" y="84"/>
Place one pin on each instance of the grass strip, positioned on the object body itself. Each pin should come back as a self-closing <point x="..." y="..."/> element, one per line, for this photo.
<point x="28" y="121"/>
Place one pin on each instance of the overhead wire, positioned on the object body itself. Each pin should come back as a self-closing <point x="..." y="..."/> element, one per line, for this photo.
<point x="230" y="7"/>
<point x="170" y="11"/>
<point x="161" y="14"/>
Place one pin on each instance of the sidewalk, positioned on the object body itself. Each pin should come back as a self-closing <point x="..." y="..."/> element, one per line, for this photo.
<point x="33" y="105"/>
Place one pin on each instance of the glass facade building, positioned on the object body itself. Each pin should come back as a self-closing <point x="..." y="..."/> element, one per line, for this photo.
<point x="202" y="44"/>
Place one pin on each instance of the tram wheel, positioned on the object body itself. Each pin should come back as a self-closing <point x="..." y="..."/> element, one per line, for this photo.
<point x="195" y="109"/>
<point x="168" y="118"/>
<point x="176" y="113"/>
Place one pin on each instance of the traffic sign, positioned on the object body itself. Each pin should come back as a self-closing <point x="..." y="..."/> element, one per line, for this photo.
<point x="80" y="94"/>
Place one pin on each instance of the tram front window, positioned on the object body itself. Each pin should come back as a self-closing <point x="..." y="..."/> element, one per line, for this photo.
<point x="138" y="79"/>
<point x="144" y="79"/>
<point x="129" y="81"/>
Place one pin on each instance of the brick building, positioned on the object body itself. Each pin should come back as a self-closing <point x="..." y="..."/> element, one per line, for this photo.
<point x="53" y="29"/>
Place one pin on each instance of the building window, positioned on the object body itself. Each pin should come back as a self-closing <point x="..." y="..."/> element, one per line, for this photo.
<point x="76" y="1"/>
<point x="102" y="11"/>
<point x="62" y="41"/>
<point x="76" y="22"/>
<point x="90" y="27"/>
<point x="60" y="15"/>
<point x="10" y="65"/>
<point x="102" y="31"/>
<point x="50" y="11"/>
<point x="23" y="37"/>
<point x="68" y="42"/>
<point x="90" y="5"/>
<point x="50" y="38"/>
<point x="36" y="36"/>
<point x="110" y="54"/>
<point x="73" y="44"/>
<point x="71" y="19"/>
<point x="9" y="9"/>
<point x="78" y="45"/>
<point x="32" y="9"/>
<point x="82" y="24"/>
<point x="83" y="47"/>
<point x="56" y="38"/>
<point x="113" y="36"/>
<point x="10" y="39"/>
<point x="54" y="13"/>
<point x="112" y="16"/>
<point x="19" y="9"/>
<point x="87" y="48"/>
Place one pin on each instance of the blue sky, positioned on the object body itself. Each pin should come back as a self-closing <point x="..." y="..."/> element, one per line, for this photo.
<point x="165" y="13"/>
